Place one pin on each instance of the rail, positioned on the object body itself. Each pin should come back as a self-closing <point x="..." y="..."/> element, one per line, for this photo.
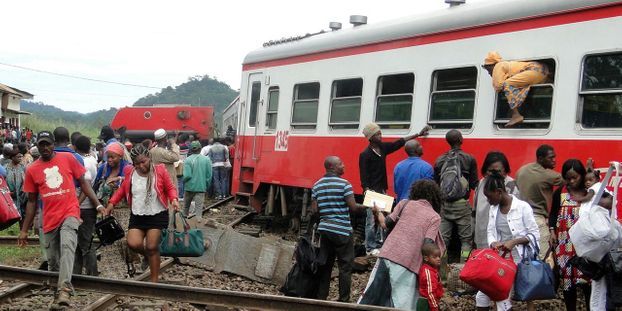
<point x="203" y="296"/>
<point x="12" y="241"/>
<point x="108" y="300"/>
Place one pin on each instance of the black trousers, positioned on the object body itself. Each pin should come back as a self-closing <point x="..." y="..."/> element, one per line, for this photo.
<point x="341" y="247"/>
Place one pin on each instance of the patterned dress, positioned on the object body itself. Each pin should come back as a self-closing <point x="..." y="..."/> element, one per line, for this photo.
<point x="567" y="215"/>
<point x="516" y="78"/>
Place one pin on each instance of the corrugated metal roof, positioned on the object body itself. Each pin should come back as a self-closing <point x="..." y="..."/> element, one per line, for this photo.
<point x="11" y="90"/>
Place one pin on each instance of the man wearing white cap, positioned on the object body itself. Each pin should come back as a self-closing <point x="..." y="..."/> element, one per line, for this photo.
<point x="373" y="171"/>
<point x="165" y="153"/>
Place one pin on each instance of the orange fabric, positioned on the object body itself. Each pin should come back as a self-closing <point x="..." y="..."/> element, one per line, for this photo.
<point x="492" y="58"/>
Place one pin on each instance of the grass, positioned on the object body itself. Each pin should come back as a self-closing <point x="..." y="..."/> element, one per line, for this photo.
<point x="17" y="256"/>
<point x="11" y="231"/>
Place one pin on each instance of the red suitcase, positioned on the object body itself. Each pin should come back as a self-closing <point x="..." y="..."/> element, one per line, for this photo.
<point x="490" y="273"/>
<point x="8" y="211"/>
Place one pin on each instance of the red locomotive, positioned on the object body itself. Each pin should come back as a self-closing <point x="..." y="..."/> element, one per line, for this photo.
<point x="137" y="123"/>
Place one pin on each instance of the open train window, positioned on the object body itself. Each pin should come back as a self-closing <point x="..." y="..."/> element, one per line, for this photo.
<point x="452" y="101"/>
<point x="304" y="111"/>
<point x="273" y="108"/>
<point x="601" y="91"/>
<point x="255" y="97"/>
<point x="537" y="106"/>
<point x="394" y="101"/>
<point x="345" y="103"/>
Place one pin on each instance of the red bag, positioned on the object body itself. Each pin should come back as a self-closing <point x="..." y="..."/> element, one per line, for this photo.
<point x="490" y="273"/>
<point x="8" y="211"/>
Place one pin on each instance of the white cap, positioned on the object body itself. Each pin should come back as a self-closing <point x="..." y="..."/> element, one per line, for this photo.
<point x="159" y="134"/>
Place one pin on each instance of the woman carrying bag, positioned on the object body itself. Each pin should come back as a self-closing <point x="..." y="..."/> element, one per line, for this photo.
<point x="564" y="214"/>
<point x="510" y="221"/>
<point x="413" y="222"/>
<point x="15" y="172"/>
<point x="148" y="191"/>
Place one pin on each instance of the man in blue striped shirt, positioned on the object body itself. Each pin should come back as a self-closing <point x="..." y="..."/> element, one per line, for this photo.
<point x="333" y="198"/>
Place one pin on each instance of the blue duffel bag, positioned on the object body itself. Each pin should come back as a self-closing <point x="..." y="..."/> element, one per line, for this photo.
<point x="534" y="278"/>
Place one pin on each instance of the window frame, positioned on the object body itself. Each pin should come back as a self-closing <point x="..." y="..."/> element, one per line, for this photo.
<point x="304" y="125"/>
<point x="433" y="86"/>
<point x="387" y="124"/>
<point x="348" y="125"/>
<point x="272" y="89"/>
<point x="581" y="95"/>
<point x="250" y="107"/>
<point x="498" y="123"/>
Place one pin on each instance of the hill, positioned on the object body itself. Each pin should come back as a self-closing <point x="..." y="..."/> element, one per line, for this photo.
<point x="48" y="117"/>
<point x="198" y="91"/>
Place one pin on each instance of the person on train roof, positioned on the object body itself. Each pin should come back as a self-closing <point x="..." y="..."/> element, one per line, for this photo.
<point x="514" y="79"/>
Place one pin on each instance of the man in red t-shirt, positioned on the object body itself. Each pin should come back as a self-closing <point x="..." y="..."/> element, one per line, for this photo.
<point x="52" y="179"/>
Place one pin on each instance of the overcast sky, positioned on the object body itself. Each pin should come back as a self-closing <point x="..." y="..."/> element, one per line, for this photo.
<point x="156" y="43"/>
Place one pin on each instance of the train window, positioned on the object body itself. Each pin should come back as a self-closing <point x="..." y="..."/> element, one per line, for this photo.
<point x="453" y="98"/>
<point x="537" y="106"/>
<point x="273" y="108"/>
<point x="255" y="96"/>
<point x="601" y="91"/>
<point x="306" y="98"/>
<point x="345" y="106"/>
<point x="394" y="101"/>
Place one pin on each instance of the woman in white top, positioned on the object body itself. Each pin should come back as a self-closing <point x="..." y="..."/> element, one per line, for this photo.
<point x="495" y="161"/>
<point x="148" y="191"/>
<point x="510" y="222"/>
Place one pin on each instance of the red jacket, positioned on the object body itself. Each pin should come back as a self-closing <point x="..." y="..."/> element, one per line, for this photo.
<point x="430" y="286"/>
<point x="164" y="187"/>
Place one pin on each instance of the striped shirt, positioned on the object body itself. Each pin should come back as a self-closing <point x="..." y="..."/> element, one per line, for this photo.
<point x="331" y="192"/>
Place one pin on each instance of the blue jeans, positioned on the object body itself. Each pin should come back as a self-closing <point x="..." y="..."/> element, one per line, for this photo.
<point x="221" y="180"/>
<point x="180" y="187"/>
<point x="374" y="235"/>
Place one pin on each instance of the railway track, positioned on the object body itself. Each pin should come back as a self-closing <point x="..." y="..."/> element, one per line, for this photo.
<point x="12" y="241"/>
<point x="25" y="290"/>
<point x="178" y="293"/>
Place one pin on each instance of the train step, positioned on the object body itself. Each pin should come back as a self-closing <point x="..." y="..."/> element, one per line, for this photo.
<point x="243" y="194"/>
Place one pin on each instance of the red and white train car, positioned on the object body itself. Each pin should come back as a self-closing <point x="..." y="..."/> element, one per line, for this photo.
<point x="308" y="98"/>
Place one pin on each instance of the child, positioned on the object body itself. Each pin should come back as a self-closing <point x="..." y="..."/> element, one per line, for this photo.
<point x="592" y="182"/>
<point x="430" y="287"/>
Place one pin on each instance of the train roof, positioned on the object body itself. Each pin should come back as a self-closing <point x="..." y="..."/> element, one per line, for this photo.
<point x="469" y="15"/>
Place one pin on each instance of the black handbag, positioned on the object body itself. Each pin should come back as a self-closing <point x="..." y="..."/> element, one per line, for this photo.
<point x="108" y="230"/>
<point x="590" y="269"/>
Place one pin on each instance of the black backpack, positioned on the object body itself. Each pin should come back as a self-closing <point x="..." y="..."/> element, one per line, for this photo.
<point x="302" y="280"/>
<point x="452" y="182"/>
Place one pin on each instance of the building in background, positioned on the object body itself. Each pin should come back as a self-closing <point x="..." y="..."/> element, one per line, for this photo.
<point x="11" y="112"/>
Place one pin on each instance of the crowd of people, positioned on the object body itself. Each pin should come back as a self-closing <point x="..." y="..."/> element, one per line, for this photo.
<point x="61" y="183"/>
<point x="533" y="211"/>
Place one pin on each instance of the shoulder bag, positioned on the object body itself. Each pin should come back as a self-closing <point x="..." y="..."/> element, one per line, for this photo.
<point x="8" y="211"/>
<point x="188" y="243"/>
<point x="534" y="278"/>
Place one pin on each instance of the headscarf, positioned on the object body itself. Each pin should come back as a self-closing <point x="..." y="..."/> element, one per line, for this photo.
<point x="370" y="130"/>
<point x="115" y="148"/>
<point x="492" y="58"/>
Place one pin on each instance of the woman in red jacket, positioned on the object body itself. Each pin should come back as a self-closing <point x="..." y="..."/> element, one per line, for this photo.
<point x="148" y="190"/>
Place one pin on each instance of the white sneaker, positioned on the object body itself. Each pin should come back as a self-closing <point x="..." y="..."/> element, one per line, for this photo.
<point x="374" y="252"/>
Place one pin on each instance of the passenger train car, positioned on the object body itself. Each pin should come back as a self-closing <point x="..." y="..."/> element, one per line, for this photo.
<point x="306" y="98"/>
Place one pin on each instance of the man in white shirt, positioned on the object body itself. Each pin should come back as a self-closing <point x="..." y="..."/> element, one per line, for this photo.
<point x="85" y="254"/>
<point x="207" y="147"/>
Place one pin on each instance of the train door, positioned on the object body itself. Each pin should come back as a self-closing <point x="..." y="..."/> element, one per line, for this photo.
<point x="254" y="116"/>
<point x="251" y="122"/>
